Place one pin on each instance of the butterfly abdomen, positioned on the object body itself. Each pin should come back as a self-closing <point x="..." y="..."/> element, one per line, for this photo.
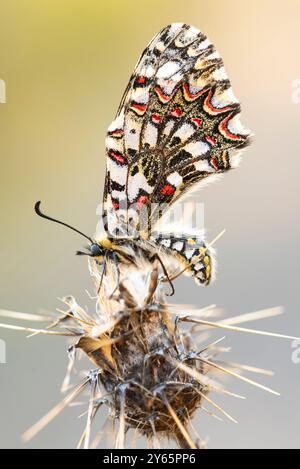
<point x="192" y="254"/>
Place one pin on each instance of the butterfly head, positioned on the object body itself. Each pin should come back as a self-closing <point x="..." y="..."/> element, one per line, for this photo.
<point x="94" y="250"/>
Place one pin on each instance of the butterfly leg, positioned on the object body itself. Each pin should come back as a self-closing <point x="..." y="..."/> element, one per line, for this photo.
<point x="156" y="257"/>
<point x="103" y="271"/>
<point x="116" y="262"/>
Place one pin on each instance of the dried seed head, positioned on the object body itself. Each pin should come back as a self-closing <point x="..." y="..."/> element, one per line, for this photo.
<point x="148" y="370"/>
<point x="138" y="365"/>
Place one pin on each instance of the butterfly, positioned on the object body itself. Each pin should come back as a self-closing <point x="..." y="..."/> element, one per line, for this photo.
<point x="177" y="126"/>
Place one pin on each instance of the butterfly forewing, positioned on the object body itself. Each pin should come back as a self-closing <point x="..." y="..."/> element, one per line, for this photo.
<point x="177" y="124"/>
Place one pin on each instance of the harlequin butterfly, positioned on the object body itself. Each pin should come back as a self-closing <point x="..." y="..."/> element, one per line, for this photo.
<point x="177" y="124"/>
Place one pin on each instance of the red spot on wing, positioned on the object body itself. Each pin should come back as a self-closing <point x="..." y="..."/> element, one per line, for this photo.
<point x="213" y="109"/>
<point x="163" y="97"/>
<point x="210" y="140"/>
<point x="226" y="131"/>
<point x="190" y="96"/>
<point x="197" y="121"/>
<point x="141" y="80"/>
<point x="214" y="164"/>
<point x="115" y="204"/>
<point x="176" y="112"/>
<point x="167" y="190"/>
<point x="139" y="107"/>
<point x="117" y="156"/>
<point x="142" y="200"/>
<point x="156" y="118"/>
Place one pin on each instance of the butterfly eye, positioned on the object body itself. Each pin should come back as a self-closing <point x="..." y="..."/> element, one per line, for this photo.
<point x="96" y="250"/>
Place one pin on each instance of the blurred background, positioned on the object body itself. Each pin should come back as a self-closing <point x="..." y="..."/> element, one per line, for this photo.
<point x="65" y="65"/>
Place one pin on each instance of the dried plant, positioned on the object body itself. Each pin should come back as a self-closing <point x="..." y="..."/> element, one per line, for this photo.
<point x="149" y="369"/>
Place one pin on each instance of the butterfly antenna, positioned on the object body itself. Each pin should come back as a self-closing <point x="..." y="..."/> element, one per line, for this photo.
<point x="40" y="214"/>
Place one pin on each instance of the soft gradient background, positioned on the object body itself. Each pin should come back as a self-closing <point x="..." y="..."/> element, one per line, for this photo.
<point x="66" y="65"/>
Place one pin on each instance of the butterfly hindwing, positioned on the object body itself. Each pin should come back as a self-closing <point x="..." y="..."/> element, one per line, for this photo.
<point x="177" y="124"/>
